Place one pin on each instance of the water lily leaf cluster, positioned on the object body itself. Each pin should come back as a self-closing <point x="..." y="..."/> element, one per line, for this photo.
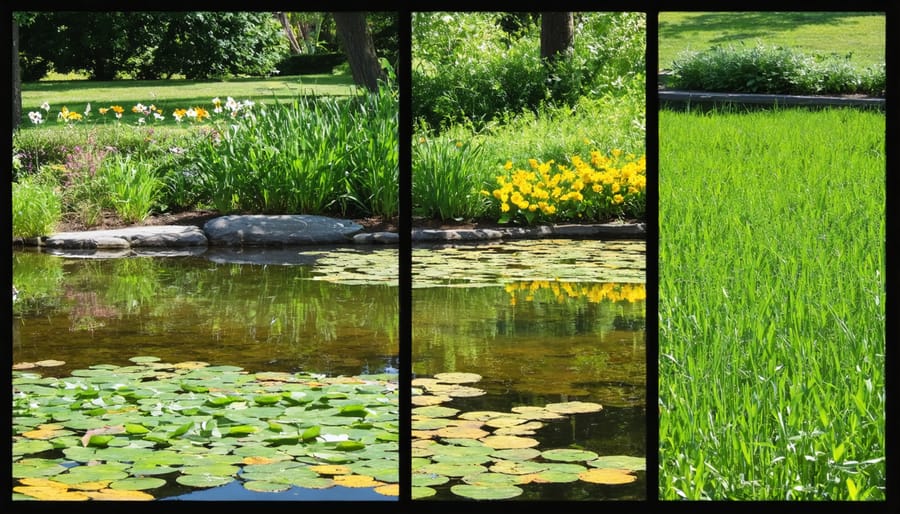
<point x="493" y="264"/>
<point x="111" y="432"/>
<point x="494" y="454"/>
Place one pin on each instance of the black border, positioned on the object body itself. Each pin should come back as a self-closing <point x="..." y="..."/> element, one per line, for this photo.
<point x="892" y="504"/>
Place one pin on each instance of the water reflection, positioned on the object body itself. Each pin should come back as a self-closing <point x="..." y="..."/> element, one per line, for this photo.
<point x="259" y="317"/>
<point x="541" y="322"/>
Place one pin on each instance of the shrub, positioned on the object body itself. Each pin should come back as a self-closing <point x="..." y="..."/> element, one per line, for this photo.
<point x="472" y="67"/>
<point x="772" y="70"/>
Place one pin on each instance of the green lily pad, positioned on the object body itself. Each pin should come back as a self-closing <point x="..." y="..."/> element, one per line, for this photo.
<point x="428" y="479"/>
<point x="203" y="480"/>
<point x="486" y="492"/>
<point x="619" y="462"/>
<point x="422" y="492"/>
<point x="569" y="455"/>
<point x="137" y="484"/>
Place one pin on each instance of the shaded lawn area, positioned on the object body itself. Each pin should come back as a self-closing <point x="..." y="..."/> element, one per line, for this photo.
<point x="860" y="34"/>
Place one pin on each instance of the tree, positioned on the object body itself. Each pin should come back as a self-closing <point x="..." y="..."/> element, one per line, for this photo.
<point x="289" y="32"/>
<point x="357" y="41"/>
<point x="151" y="44"/>
<point x="557" y="35"/>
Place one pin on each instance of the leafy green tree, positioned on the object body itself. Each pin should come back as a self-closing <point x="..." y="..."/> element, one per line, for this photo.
<point x="151" y="44"/>
<point x="203" y="45"/>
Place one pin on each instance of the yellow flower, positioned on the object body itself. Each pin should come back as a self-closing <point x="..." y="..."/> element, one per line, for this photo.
<point x="504" y="207"/>
<point x="617" y="199"/>
<point x="508" y="166"/>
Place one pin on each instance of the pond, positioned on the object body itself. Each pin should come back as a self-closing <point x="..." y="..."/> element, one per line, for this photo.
<point x="338" y="318"/>
<point x="539" y="348"/>
<point x="538" y="344"/>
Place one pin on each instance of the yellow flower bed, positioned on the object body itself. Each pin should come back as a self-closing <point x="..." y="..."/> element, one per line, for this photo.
<point x="602" y="188"/>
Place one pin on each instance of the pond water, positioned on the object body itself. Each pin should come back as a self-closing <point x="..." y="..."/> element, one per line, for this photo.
<point x="260" y="317"/>
<point x="336" y="318"/>
<point x="538" y="323"/>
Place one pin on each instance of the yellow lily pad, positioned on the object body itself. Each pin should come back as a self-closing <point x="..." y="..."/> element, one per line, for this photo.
<point x="609" y="476"/>
<point x="500" y="442"/>
<point x="458" y="378"/>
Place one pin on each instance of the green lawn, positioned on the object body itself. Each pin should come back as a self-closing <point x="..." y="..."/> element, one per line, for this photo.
<point x="862" y="33"/>
<point x="771" y="305"/>
<point x="173" y="94"/>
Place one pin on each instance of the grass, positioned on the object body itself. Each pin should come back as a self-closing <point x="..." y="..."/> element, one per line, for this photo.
<point x="862" y="33"/>
<point x="771" y="313"/>
<point x="173" y="94"/>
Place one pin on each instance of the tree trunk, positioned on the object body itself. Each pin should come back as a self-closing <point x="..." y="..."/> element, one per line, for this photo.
<point x="557" y="35"/>
<point x="289" y="32"/>
<point x="16" y="78"/>
<point x="357" y="40"/>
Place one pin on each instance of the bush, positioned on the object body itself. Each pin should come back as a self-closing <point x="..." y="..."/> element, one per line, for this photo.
<point x="309" y="64"/>
<point x="772" y="70"/>
<point x="36" y="209"/>
<point x="474" y="67"/>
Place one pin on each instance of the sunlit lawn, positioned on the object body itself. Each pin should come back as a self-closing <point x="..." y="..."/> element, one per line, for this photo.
<point x="772" y="305"/>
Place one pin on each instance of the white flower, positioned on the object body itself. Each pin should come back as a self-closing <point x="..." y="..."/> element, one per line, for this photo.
<point x="35" y="117"/>
<point x="45" y="106"/>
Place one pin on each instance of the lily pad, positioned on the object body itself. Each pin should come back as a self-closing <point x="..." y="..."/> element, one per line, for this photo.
<point x="486" y="492"/>
<point x="609" y="476"/>
<point x="569" y="455"/>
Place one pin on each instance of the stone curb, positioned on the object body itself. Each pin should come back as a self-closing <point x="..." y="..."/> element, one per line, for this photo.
<point x="181" y="239"/>
<point x="704" y="97"/>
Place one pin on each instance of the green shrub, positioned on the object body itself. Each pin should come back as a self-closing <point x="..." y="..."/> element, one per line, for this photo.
<point x="468" y="68"/>
<point x="772" y="70"/>
<point x="36" y="209"/>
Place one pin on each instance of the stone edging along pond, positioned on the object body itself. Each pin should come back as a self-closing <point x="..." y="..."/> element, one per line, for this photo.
<point x="242" y="231"/>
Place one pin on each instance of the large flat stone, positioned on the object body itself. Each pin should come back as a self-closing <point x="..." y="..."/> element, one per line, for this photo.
<point x="279" y="230"/>
<point x="167" y="236"/>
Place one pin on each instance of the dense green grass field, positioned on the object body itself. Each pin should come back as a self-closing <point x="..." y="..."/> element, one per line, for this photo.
<point x="862" y="33"/>
<point x="771" y="313"/>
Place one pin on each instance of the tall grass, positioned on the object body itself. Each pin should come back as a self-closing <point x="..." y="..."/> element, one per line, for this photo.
<point x="36" y="209"/>
<point x="771" y="313"/>
<point x="313" y="156"/>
